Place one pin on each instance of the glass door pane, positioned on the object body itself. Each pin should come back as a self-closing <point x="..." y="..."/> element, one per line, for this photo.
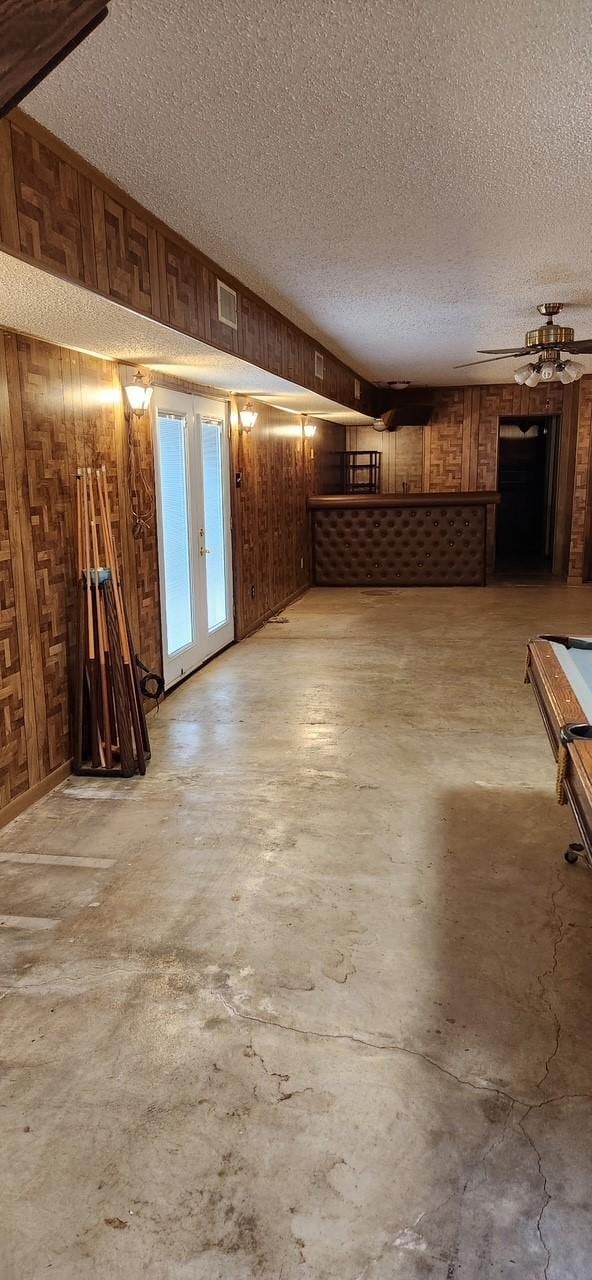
<point x="176" y="525"/>
<point x="212" y="453"/>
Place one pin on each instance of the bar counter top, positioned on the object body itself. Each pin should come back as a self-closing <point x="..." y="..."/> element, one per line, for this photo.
<point x="480" y="498"/>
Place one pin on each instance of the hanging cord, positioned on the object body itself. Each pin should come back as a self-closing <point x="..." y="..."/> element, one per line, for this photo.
<point x="151" y="684"/>
<point x="141" y="492"/>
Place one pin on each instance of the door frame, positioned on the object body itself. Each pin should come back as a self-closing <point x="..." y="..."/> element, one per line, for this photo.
<point x="229" y="626"/>
<point x="205" y="643"/>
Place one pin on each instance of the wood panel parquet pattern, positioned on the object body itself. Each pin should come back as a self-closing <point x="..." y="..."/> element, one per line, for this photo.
<point x="48" y="496"/>
<point x="48" y="206"/>
<point x="272" y="544"/>
<point x="59" y="410"/>
<point x="58" y="211"/>
<point x="444" y="443"/>
<point x="130" y="257"/>
<point x="14" y="772"/>
<point x="185" y="292"/>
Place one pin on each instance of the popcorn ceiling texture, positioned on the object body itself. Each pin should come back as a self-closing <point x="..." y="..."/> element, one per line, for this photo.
<point x="406" y="180"/>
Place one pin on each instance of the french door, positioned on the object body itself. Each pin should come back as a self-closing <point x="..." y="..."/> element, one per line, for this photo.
<point x="194" y="542"/>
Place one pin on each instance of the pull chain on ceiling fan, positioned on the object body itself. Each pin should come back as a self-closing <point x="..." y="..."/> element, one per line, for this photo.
<point x="546" y="343"/>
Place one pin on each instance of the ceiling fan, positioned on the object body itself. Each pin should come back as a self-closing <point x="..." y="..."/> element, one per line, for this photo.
<point x="546" y="344"/>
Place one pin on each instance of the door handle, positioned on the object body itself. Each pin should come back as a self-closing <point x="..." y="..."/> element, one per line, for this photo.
<point x="204" y="551"/>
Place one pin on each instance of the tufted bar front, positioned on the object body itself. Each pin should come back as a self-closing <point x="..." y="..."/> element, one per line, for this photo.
<point x="408" y="540"/>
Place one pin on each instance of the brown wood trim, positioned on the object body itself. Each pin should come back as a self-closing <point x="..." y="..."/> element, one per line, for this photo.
<point x="37" y="792"/>
<point x="128" y="553"/>
<point x="173" y="383"/>
<point x="559" y="706"/>
<point x="162" y="277"/>
<point x="155" y="280"/>
<point x="36" y="36"/>
<point x="100" y="239"/>
<point x="9" y="226"/>
<point x="474" y="434"/>
<point x="454" y="499"/>
<point x="86" y="228"/>
<point x="466" y="439"/>
<point x="568" y="430"/>
<point x="547" y="672"/>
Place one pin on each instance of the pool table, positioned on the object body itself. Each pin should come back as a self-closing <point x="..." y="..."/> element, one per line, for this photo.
<point x="559" y="669"/>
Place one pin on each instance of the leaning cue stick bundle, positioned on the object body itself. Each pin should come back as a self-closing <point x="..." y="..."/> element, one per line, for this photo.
<point x="111" y="736"/>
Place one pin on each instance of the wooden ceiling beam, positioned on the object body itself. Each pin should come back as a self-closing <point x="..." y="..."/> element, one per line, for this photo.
<point x="35" y="36"/>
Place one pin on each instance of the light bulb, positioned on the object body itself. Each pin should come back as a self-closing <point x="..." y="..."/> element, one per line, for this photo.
<point x="139" y="395"/>
<point x="522" y="374"/>
<point x="548" y="372"/>
<point x="574" y="369"/>
<point x="564" y="374"/>
<point x="248" y="416"/>
<point x="533" y="378"/>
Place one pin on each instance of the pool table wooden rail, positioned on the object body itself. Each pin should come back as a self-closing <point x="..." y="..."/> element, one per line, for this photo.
<point x="559" y="707"/>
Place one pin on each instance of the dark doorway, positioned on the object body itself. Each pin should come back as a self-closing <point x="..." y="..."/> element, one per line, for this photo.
<point x="527" y="475"/>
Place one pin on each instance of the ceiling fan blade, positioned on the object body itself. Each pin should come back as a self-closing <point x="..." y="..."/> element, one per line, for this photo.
<point x="584" y="346"/>
<point x="491" y="360"/>
<point x="506" y="351"/>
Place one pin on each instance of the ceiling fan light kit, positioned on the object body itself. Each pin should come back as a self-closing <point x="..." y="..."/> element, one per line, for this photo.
<point x="548" y="369"/>
<point x="547" y="343"/>
<point x="569" y="371"/>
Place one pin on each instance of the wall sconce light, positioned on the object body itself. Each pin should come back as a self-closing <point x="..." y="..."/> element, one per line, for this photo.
<point x="139" y="395"/>
<point x="309" y="428"/>
<point x="248" y="416"/>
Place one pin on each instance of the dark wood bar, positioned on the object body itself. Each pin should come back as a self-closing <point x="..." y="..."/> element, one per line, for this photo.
<point x="402" y="540"/>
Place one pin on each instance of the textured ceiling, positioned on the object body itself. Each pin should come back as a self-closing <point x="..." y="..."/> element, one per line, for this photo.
<point x="45" y="306"/>
<point x="407" y="179"/>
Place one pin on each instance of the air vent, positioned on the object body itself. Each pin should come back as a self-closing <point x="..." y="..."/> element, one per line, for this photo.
<point x="319" y="366"/>
<point x="356" y="388"/>
<point x="227" y="305"/>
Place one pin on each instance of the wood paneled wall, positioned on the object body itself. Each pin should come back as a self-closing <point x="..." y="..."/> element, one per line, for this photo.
<point x="458" y="452"/>
<point x="277" y="470"/>
<point x="58" y="410"/>
<point x="61" y="214"/>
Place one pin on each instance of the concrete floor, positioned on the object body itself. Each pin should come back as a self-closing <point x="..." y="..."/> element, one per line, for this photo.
<point x="326" y="1011"/>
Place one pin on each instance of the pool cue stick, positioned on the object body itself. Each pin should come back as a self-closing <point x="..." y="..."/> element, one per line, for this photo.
<point x="101" y="628"/>
<point x="78" y="524"/>
<point x="81" y="664"/>
<point x="100" y="524"/>
<point x="127" y="759"/>
<point x="94" y="728"/>
<point x="93" y="589"/>
<point x="121" y="624"/>
<point x="140" y="700"/>
<point x="128" y="659"/>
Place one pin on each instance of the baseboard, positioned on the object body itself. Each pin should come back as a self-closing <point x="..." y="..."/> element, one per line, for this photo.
<point x="271" y="613"/>
<point x="42" y="788"/>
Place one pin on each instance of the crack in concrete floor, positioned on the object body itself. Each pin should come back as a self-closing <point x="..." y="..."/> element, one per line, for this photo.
<point x="316" y="853"/>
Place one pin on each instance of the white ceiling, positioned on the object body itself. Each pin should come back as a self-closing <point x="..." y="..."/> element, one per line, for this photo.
<point x="406" y="178"/>
<point x="33" y="302"/>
